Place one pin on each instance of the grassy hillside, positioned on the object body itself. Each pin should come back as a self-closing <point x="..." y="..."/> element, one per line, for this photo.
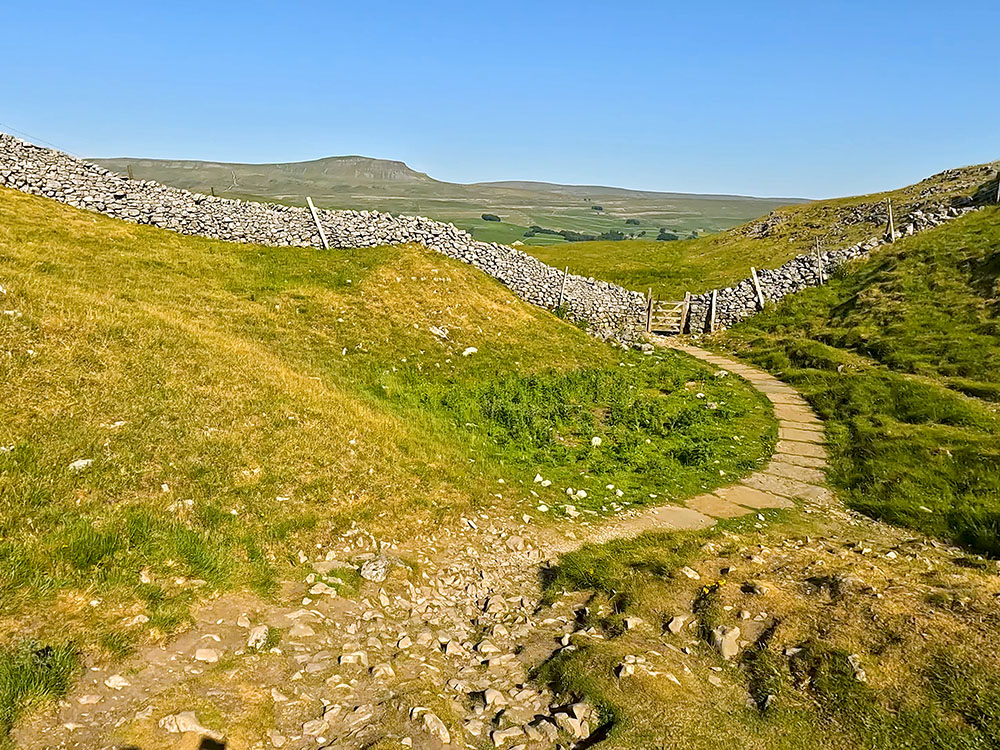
<point x="719" y="260"/>
<point x="853" y="633"/>
<point x="361" y="183"/>
<point x="901" y="356"/>
<point x="182" y="416"/>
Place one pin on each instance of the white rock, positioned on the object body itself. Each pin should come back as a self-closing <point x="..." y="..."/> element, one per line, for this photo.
<point x="208" y="655"/>
<point x="436" y="727"/>
<point x="183" y="722"/>
<point x="257" y="637"/>
<point x="726" y="641"/>
<point x="301" y="630"/>
<point x="117" y="682"/>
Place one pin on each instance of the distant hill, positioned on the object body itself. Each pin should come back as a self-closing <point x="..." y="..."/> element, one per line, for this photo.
<point x="603" y="190"/>
<point x="364" y="183"/>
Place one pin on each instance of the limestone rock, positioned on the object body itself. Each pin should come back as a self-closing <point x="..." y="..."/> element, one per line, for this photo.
<point x="726" y="640"/>
<point x="377" y="569"/>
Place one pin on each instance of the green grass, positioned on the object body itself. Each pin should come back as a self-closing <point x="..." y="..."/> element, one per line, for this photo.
<point x="239" y="403"/>
<point x="901" y="356"/>
<point x="31" y="674"/>
<point x="722" y="259"/>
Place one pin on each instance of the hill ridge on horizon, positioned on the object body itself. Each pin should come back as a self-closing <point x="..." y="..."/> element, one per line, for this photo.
<point x="417" y="174"/>
<point x="361" y="182"/>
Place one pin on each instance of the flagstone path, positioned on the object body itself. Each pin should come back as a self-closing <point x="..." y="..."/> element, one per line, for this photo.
<point x="795" y="469"/>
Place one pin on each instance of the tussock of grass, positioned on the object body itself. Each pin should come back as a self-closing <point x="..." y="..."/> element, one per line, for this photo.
<point x="30" y="674"/>
<point x="622" y="567"/>
<point x="901" y="356"/>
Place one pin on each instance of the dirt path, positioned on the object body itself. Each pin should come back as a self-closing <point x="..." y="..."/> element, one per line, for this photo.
<point x="437" y="654"/>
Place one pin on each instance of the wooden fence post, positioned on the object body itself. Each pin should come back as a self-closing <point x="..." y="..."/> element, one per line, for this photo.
<point x="711" y="312"/>
<point x="129" y="168"/>
<point x="890" y="231"/>
<point x="685" y="311"/>
<point x="819" y="263"/>
<point x="757" y="289"/>
<point x="322" y="234"/>
<point x="649" y="311"/>
<point x="562" y="287"/>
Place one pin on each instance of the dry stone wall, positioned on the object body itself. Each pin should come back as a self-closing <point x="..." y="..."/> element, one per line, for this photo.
<point x="610" y="311"/>
<point x="735" y="303"/>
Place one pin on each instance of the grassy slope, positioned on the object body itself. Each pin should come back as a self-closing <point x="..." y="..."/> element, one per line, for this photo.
<point x="393" y="187"/>
<point x="922" y="633"/>
<point x="901" y="356"/>
<point x="240" y="402"/>
<point x="718" y="260"/>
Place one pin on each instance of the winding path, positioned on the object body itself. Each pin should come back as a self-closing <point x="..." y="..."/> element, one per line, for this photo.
<point x="465" y="633"/>
<point x="795" y="470"/>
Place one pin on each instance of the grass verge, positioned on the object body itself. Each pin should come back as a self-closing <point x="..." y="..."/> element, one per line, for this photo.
<point x="900" y="355"/>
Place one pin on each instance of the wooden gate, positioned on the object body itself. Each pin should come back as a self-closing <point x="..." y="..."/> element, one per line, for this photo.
<point x="666" y="316"/>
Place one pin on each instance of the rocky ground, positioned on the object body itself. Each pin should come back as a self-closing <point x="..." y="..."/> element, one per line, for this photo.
<point x="427" y="642"/>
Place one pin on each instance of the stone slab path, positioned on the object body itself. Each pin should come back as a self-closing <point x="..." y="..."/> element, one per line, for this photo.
<point x="434" y="653"/>
<point x="800" y="436"/>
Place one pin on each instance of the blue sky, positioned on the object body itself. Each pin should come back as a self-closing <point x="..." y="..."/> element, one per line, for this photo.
<point x="760" y="98"/>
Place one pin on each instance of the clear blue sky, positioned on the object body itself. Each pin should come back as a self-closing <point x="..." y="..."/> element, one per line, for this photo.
<point x="761" y="98"/>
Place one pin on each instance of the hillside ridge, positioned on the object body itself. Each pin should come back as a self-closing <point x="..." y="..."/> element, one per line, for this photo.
<point x="392" y="186"/>
<point x="606" y="310"/>
<point x="347" y="166"/>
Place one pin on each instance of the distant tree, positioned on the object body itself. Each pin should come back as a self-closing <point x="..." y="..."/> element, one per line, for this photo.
<point x="633" y="222"/>
<point x="666" y="236"/>
<point x="595" y="207"/>
<point x="571" y="236"/>
<point x="491" y="217"/>
<point x="611" y="236"/>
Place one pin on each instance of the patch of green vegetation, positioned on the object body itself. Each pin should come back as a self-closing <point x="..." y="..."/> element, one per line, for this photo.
<point x="238" y="403"/>
<point x="624" y="567"/>
<point x="719" y="260"/>
<point x="900" y="354"/>
<point x="951" y="686"/>
<point x="764" y="671"/>
<point x="118" y="643"/>
<point x="657" y="426"/>
<point x="707" y="607"/>
<point x="31" y="674"/>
